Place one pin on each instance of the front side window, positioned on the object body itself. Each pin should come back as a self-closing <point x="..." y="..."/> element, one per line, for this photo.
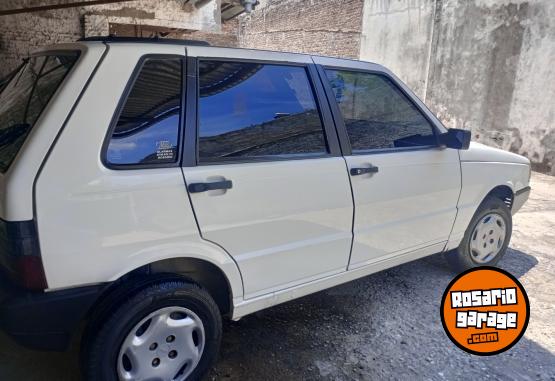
<point x="147" y="130"/>
<point x="25" y="96"/>
<point x="252" y="110"/>
<point x="377" y="114"/>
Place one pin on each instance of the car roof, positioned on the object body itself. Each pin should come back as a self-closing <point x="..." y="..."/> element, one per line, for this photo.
<point x="150" y="40"/>
<point x="204" y="48"/>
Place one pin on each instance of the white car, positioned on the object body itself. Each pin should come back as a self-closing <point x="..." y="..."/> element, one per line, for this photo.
<point x="150" y="187"/>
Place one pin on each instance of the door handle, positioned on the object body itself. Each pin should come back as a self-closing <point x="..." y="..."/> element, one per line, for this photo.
<point x="203" y="187"/>
<point x="362" y="171"/>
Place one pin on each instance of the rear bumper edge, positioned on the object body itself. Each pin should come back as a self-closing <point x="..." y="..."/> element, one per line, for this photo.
<point x="46" y="320"/>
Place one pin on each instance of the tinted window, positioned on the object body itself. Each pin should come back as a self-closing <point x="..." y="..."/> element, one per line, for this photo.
<point x="147" y="130"/>
<point x="377" y="114"/>
<point x="24" y="97"/>
<point x="249" y="110"/>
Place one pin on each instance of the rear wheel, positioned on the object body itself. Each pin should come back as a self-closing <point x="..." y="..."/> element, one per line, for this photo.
<point x="486" y="238"/>
<point x="169" y="330"/>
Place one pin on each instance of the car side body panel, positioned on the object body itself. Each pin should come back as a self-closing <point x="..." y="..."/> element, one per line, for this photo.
<point x="478" y="152"/>
<point x="409" y="204"/>
<point x="284" y="222"/>
<point x="252" y="305"/>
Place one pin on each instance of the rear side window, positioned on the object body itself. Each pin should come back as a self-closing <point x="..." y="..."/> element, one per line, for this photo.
<point x="24" y="98"/>
<point x="147" y="128"/>
<point x="377" y="114"/>
<point x="252" y="110"/>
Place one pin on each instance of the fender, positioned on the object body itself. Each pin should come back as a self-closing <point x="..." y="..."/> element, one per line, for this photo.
<point x="479" y="179"/>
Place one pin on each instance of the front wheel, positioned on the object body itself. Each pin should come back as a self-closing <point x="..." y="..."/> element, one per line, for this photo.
<point x="169" y="330"/>
<point x="486" y="239"/>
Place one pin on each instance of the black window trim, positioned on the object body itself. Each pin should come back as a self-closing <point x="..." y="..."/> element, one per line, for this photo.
<point x="121" y="104"/>
<point x="340" y="122"/>
<point x="57" y="52"/>
<point x="191" y="144"/>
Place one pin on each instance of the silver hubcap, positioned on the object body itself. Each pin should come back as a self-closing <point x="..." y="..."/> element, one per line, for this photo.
<point x="166" y="345"/>
<point x="487" y="238"/>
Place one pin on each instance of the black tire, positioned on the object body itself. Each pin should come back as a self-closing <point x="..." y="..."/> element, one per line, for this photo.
<point x="101" y="350"/>
<point x="460" y="259"/>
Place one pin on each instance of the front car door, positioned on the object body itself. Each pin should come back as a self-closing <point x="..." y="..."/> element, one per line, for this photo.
<point x="405" y="186"/>
<point x="267" y="181"/>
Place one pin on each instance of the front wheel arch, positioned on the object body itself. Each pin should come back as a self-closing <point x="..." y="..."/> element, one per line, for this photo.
<point x="460" y="258"/>
<point x="503" y="193"/>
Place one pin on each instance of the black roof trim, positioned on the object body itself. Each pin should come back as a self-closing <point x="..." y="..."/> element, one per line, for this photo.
<point x="157" y="40"/>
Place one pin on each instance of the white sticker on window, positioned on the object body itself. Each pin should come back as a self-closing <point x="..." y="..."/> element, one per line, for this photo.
<point x="164" y="150"/>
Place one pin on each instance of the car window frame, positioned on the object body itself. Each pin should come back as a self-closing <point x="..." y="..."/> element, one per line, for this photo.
<point x="340" y="121"/>
<point x="122" y="102"/>
<point x="191" y="146"/>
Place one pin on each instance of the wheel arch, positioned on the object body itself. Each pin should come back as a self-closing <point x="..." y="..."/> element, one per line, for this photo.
<point x="469" y="202"/>
<point x="196" y="270"/>
<point x="203" y="272"/>
<point x="503" y="192"/>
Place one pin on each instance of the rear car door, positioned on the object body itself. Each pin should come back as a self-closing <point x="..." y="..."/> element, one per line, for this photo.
<point x="267" y="181"/>
<point x="405" y="186"/>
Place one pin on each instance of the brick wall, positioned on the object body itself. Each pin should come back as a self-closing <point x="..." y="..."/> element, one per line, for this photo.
<point x="327" y="27"/>
<point x="226" y="37"/>
<point x="21" y="33"/>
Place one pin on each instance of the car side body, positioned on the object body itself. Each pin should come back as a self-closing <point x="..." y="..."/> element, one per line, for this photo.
<point x="287" y="227"/>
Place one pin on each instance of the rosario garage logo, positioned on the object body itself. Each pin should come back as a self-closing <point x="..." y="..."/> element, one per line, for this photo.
<point x="485" y="311"/>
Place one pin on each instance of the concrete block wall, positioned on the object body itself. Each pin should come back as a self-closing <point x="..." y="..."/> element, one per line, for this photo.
<point x="398" y="35"/>
<point x="483" y="65"/>
<point x="327" y="27"/>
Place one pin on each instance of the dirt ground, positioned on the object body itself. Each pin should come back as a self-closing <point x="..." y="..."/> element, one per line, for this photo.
<point x="384" y="326"/>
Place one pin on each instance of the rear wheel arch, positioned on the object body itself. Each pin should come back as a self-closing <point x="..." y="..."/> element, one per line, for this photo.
<point x="204" y="273"/>
<point x="201" y="272"/>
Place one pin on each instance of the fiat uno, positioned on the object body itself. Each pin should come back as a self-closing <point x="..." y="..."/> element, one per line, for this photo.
<point x="150" y="187"/>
